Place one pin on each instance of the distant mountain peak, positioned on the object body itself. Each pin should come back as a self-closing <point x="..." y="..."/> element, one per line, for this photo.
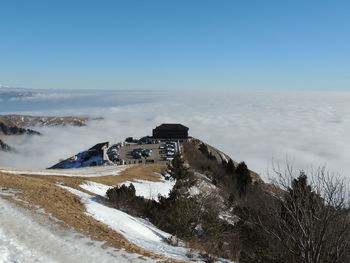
<point x="8" y="127"/>
<point x="45" y="121"/>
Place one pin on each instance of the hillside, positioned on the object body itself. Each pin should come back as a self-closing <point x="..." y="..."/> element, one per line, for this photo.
<point x="41" y="121"/>
<point x="8" y="127"/>
<point x="79" y="197"/>
<point x="201" y="207"/>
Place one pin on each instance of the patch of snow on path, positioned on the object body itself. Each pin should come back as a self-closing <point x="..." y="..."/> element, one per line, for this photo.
<point x="27" y="237"/>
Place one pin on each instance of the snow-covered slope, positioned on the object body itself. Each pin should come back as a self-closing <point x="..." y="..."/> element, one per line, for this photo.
<point x="82" y="159"/>
<point x="136" y="230"/>
<point x="27" y="237"/>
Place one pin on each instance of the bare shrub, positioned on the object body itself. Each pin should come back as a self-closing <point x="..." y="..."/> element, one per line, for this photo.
<point x="310" y="220"/>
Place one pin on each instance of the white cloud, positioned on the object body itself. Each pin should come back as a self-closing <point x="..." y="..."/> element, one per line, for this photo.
<point x="4" y="87"/>
<point x="38" y="96"/>
<point x="309" y="128"/>
<point x="9" y="88"/>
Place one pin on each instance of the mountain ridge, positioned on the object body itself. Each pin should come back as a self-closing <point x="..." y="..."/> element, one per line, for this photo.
<point x="8" y="127"/>
<point x="46" y="121"/>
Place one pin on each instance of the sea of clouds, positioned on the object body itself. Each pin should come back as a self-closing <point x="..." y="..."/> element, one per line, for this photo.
<point x="307" y="129"/>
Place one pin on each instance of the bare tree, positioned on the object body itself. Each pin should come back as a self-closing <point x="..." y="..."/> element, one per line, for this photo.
<point x="310" y="219"/>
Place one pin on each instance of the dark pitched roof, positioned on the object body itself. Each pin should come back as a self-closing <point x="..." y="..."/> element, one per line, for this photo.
<point x="99" y="146"/>
<point x="171" y="126"/>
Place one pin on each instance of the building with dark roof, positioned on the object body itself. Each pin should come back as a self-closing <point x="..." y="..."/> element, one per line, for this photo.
<point x="100" y="150"/>
<point x="170" y="131"/>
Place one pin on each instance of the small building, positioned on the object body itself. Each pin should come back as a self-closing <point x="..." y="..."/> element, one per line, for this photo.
<point x="170" y="131"/>
<point x="100" y="150"/>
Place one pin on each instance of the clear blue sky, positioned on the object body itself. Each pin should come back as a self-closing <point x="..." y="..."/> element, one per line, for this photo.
<point x="148" y="44"/>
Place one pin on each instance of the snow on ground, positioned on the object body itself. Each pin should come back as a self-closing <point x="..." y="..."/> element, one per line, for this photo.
<point x="203" y="185"/>
<point x="28" y="237"/>
<point x="203" y="177"/>
<point x="78" y="172"/>
<point x="83" y="159"/>
<point x="229" y="217"/>
<point x="96" y="188"/>
<point x="151" y="190"/>
<point x="194" y="190"/>
<point x="79" y="163"/>
<point x="147" y="189"/>
<point x="138" y="231"/>
<point x="223" y="157"/>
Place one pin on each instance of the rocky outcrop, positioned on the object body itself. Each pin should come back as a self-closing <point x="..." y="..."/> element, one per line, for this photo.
<point x="8" y="127"/>
<point x="5" y="147"/>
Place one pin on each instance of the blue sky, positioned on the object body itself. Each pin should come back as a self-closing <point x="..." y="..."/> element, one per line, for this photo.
<point x="189" y="44"/>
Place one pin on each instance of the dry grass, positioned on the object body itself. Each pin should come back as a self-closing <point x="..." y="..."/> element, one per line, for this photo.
<point x="41" y="190"/>
<point x="141" y="172"/>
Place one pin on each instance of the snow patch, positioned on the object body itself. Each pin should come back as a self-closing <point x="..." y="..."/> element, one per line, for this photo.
<point x="202" y="185"/>
<point x="223" y="157"/>
<point x="146" y="189"/>
<point x="151" y="190"/>
<point x="96" y="188"/>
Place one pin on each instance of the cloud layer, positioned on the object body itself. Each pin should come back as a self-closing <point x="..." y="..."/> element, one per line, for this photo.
<point x="308" y="129"/>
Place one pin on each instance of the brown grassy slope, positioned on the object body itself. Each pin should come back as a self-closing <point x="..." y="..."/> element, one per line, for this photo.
<point x="140" y="172"/>
<point x="42" y="190"/>
<point x="8" y="122"/>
